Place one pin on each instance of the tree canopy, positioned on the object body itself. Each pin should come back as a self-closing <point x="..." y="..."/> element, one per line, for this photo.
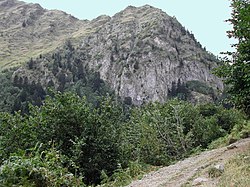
<point x="236" y="70"/>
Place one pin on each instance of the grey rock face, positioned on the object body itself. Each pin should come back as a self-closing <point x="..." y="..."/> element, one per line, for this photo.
<point x="141" y="53"/>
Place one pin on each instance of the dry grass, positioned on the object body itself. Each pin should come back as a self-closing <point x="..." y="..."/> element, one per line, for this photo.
<point x="237" y="171"/>
<point x="45" y="31"/>
<point x="19" y="56"/>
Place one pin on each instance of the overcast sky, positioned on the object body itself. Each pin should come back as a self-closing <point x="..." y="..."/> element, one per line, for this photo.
<point x="204" y="18"/>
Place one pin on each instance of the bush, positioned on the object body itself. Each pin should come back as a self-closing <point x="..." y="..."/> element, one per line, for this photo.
<point x="159" y="133"/>
<point x="216" y="122"/>
<point x="93" y="139"/>
<point x="16" y="133"/>
<point x="85" y="135"/>
<point x="206" y="130"/>
<point x="123" y="177"/>
<point x="214" y="172"/>
<point x="240" y="130"/>
<point x="37" y="169"/>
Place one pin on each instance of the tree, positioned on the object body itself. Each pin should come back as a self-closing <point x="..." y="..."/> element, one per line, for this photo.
<point x="87" y="137"/>
<point x="236" y="70"/>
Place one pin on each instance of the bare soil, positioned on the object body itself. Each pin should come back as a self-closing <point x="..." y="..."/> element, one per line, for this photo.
<point x="184" y="172"/>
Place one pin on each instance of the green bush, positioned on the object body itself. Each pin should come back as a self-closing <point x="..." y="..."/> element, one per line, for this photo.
<point x="215" y="122"/>
<point x="158" y="133"/>
<point x="95" y="140"/>
<point x="37" y="169"/>
<point x="16" y="133"/>
<point x="123" y="177"/>
<point x="87" y="136"/>
<point x="206" y="130"/>
<point x="214" y="172"/>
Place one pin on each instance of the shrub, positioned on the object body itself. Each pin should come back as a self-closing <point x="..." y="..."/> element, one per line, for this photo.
<point x="214" y="172"/>
<point x="37" y="169"/>
<point x="16" y="133"/>
<point x="158" y="133"/>
<point x="94" y="139"/>
<point x="123" y="177"/>
<point x="85" y="135"/>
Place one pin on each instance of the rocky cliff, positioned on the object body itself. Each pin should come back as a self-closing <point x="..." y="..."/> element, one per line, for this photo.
<point x="141" y="52"/>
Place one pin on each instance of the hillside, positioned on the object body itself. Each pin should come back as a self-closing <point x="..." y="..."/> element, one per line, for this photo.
<point x="28" y="30"/>
<point x="106" y="102"/>
<point x="144" y="54"/>
<point x="141" y="53"/>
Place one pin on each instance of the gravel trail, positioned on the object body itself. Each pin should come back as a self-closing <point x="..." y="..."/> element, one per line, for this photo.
<point x="184" y="172"/>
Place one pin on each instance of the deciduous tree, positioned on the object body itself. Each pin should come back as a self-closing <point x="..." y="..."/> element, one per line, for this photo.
<point x="236" y="70"/>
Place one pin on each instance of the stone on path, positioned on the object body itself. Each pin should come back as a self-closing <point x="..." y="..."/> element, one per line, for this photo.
<point x="199" y="181"/>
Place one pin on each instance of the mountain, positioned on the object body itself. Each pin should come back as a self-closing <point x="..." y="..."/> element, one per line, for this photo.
<point x="141" y="53"/>
<point x="27" y="30"/>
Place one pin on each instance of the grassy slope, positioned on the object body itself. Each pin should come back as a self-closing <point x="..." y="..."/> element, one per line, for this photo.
<point x="43" y="31"/>
<point x="237" y="171"/>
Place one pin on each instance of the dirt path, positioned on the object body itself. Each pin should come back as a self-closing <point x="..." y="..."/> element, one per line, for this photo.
<point x="184" y="172"/>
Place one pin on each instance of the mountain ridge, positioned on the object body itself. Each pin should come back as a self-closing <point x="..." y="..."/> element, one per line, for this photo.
<point x="141" y="52"/>
<point x="28" y="30"/>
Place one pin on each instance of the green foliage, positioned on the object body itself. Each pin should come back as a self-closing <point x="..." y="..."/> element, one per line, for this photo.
<point x="240" y="130"/>
<point x="37" y="169"/>
<point x="227" y="118"/>
<point x="206" y="130"/>
<point x="159" y="133"/>
<point x="87" y="136"/>
<point x="8" y="93"/>
<point x="215" y="122"/>
<point x="123" y="177"/>
<point x="236" y="71"/>
<point x="100" y="148"/>
<point x="107" y="142"/>
<point x="200" y="87"/>
<point x="15" y="133"/>
<point x="140" y="141"/>
<point x="17" y="93"/>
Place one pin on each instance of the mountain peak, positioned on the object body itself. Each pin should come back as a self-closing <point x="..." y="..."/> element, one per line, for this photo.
<point x="141" y="52"/>
<point x="144" y="13"/>
<point x="147" y="6"/>
<point x="141" y="8"/>
<point x="130" y="7"/>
